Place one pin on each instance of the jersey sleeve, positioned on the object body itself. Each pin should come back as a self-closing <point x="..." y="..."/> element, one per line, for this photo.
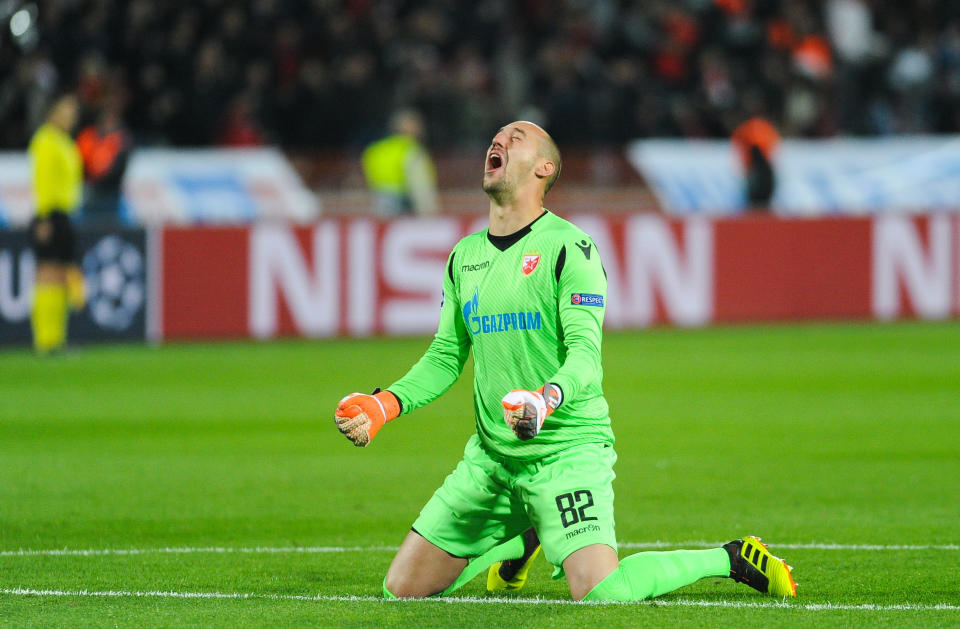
<point x="581" y="296"/>
<point x="442" y="363"/>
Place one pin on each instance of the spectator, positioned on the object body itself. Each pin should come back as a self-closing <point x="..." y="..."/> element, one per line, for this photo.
<point x="399" y="170"/>
<point x="755" y="141"/>
<point x="105" y="148"/>
<point x="240" y="127"/>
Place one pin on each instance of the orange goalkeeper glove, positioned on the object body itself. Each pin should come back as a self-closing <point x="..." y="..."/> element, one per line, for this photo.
<point x="359" y="416"/>
<point x="524" y="411"/>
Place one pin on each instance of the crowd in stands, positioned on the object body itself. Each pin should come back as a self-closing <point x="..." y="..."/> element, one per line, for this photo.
<point x="327" y="73"/>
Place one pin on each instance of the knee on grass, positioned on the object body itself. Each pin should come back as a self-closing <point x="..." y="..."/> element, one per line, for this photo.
<point x="394" y="587"/>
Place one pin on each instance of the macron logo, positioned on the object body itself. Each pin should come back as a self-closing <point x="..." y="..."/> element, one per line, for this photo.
<point x="586" y="299"/>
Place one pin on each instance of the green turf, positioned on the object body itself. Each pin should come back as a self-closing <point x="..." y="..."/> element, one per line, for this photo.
<point x="846" y="434"/>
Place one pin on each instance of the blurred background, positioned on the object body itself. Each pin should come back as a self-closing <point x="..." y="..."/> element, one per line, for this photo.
<point x="325" y="74"/>
<point x="344" y="115"/>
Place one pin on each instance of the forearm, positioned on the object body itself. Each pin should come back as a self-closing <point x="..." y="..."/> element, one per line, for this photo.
<point x="582" y="364"/>
<point x="431" y="376"/>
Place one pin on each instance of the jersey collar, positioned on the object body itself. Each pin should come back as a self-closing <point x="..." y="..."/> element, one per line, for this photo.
<point x="505" y="242"/>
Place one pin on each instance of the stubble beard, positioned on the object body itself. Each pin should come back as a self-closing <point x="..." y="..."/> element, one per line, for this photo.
<point x="500" y="191"/>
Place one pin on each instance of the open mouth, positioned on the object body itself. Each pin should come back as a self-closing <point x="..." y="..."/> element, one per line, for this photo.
<point x="494" y="161"/>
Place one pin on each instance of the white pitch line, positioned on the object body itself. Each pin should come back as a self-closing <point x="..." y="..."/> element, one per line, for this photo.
<point x="480" y="601"/>
<point x="187" y="550"/>
<point x="795" y="546"/>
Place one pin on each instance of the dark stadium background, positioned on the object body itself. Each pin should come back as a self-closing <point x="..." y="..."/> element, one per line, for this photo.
<point x="321" y="77"/>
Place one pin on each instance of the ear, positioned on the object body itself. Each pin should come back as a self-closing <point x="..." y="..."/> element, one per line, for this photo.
<point x="545" y="169"/>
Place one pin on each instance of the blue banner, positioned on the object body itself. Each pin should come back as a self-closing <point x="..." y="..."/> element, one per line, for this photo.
<point x="840" y="176"/>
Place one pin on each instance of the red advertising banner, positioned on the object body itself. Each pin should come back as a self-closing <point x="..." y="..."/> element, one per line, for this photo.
<point x="204" y="282"/>
<point x="792" y="269"/>
<point x="361" y="277"/>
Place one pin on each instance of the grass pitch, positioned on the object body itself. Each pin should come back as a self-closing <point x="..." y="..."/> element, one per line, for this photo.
<point x="206" y="483"/>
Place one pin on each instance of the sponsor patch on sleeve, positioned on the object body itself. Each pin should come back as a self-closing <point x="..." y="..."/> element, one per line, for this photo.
<point x="586" y="299"/>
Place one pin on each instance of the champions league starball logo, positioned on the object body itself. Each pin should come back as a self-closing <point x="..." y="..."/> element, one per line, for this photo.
<point x="114" y="273"/>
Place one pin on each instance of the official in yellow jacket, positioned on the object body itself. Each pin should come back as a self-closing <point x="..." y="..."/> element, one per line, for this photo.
<point x="57" y="183"/>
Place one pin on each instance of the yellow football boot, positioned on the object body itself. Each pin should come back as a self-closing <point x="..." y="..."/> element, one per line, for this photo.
<point x="512" y="574"/>
<point x="753" y="564"/>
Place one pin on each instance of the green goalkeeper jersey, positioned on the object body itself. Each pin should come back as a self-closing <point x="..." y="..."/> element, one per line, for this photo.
<point x="531" y="305"/>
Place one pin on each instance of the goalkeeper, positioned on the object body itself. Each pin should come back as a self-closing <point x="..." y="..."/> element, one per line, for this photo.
<point x="528" y="295"/>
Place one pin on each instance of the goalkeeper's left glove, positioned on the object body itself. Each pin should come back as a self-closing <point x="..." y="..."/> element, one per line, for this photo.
<point x="360" y="416"/>
<point x="524" y="411"/>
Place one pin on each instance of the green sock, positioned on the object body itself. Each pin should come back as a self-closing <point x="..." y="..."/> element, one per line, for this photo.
<point x="387" y="593"/>
<point x="646" y="575"/>
<point x="510" y="549"/>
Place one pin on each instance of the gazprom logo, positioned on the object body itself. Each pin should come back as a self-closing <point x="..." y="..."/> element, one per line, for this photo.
<point x="471" y="307"/>
<point x="500" y="322"/>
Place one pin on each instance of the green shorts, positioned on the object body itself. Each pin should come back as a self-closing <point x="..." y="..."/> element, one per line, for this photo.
<point x="567" y="497"/>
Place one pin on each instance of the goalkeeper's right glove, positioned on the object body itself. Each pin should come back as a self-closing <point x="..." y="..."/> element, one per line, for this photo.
<point x="524" y="411"/>
<point x="360" y="416"/>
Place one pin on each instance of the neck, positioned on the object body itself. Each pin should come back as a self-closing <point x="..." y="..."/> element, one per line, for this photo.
<point x="509" y="218"/>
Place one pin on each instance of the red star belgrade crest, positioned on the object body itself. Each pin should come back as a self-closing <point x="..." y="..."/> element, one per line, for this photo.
<point x="530" y="262"/>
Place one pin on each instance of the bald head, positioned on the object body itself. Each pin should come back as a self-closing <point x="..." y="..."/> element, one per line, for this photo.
<point x="522" y="160"/>
<point x="547" y="149"/>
